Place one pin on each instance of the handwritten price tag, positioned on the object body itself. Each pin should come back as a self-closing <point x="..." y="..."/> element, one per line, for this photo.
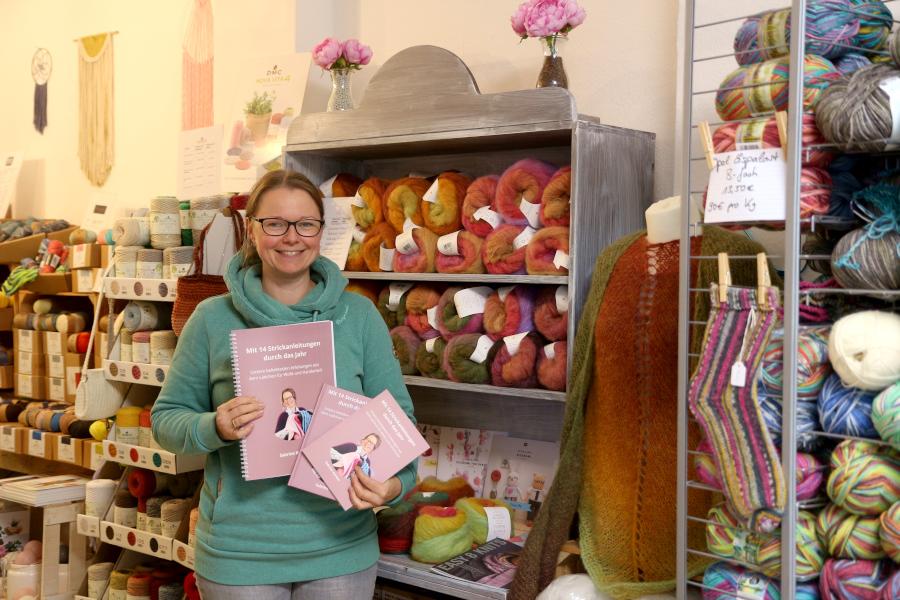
<point x="747" y="185"/>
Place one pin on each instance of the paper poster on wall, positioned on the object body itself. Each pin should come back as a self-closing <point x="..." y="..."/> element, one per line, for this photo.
<point x="199" y="167"/>
<point x="464" y="453"/>
<point x="520" y="472"/>
<point x="10" y="165"/>
<point x="268" y="96"/>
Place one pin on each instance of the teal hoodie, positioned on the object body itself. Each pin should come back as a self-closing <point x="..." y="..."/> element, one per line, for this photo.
<point x="265" y="532"/>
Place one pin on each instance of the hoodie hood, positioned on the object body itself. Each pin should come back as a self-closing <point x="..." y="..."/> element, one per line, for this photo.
<point x="261" y="310"/>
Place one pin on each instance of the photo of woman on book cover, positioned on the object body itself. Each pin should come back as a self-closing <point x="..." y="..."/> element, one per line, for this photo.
<point x="345" y="457"/>
<point x="293" y="422"/>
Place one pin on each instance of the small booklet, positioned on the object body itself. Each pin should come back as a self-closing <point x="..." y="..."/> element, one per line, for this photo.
<point x="379" y="439"/>
<point x="35" y="490"/>
<point x="333" y="406"/>
<point x="284" y="367"/>
<point x="492" y="563"/>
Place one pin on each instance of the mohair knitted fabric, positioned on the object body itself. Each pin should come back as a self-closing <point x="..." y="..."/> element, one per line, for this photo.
<point x="620" y="423"/>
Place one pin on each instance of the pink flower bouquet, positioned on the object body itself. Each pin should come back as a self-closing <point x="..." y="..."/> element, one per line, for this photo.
<point x="546" y="18"/>
<point x="331" y="54"/>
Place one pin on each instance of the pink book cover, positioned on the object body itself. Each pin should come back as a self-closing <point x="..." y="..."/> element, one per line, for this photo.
<point x="380" y="439"/>
<point x="334" y="405"/>
<point x="284" y="367"/>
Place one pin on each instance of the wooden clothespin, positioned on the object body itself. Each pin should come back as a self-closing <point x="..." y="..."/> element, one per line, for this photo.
<point x="706" y="142"/>
<point x="782" y="124"/>
<point x="763" y="281"/>
<point x="724" y="277"/>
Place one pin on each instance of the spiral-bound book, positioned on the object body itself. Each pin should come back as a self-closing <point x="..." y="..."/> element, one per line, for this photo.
<point x="284" y="367"/>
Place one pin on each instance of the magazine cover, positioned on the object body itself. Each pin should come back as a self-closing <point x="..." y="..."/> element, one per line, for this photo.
<point x="334" y="405"/>
<point x="520" y="472"/>
<point x="284" y="367"/>
<point x="379" y="439"/>
<point x="492" y="563"/>
<point x="465" y="453"/>
<point x="428" y="462"/>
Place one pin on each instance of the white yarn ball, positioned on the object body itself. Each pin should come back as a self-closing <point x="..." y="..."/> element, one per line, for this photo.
<point x="864" y="349"/>
<point x="571" y="587"/>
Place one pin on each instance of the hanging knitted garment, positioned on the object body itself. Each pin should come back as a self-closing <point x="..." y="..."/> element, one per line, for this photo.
<point x="197" y="68"/>
<point x="95" y="107"/>
<point x="618" y="450"/>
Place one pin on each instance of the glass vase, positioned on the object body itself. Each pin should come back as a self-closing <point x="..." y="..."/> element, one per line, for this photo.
<point x="552" y="74"/>
<point x="341" y="98"/>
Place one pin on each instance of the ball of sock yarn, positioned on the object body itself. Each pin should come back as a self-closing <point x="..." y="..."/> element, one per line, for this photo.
<point x="865" y="349"/>
<point x="865" y="477"/>
<point x="875" y="21"/>
<point x="515" y="370"/>
<point x="455" y="488"/>
<point x="548" y="319"/>
<point x="458" y="363"/>
<point x="807" y="416"/>
<point x="480" y="194"/>
<point x="440" y="533"/>
<point x="852" y="579"/>
<point x="764" y="132"/>
<point x="855" y="110"/>
<point x="807" y="590"/>
<point x="430" y="362"/>
<point x="886" y="414"/>
<point x="419" y="300"/>
<point x="395" y="527"/>
<point x="468" y="261"/>
<point x="551" y="371"/>
<point x="812" y="362"/>
<point x="705" y="466"/>
<point x="889" y="532"/>
<point x="476" y="517"/>
<point x="846" y="535"/>
<point x="891" y="588"/>
<point x="449" y="323"/>
<point x="406" y="344"/>
<point x="846" y="410"/>
<point x="723" y="581"/>
<point x="862" y="262"/>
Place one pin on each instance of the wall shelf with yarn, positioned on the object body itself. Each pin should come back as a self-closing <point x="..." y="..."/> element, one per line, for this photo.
<point x="130" y="288"/>
<point x="132" y="372"/>
<point x="403" y="569"/>
<point x="459" y="278"/>
<point x="152" y="459"/>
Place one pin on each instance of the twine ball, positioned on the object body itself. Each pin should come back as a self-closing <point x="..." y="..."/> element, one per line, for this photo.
<point x="886" y="414"/>
<point x="865" y="477"/>
<point x="846" y="410"/>
<point x="846" y="535"/>
<point x="864" y="349"/>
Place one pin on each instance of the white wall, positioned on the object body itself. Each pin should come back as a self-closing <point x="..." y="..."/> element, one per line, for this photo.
<point x="147" y="90"/>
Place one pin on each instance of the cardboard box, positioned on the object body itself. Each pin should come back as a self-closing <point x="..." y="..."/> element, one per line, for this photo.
<point x="39" y="444"/>
<point x="74" y="363"/>
<point x="11" y="438"/>
<point x="7" y="377"/>
<point x="85" y="256"/>
<point x="12" y="251"/>
<point x="50" y="283"/>
<point x="56" y="365"/>
<point x="84" y="279"/>
<point x="31" y="386"/>
<point x="91" y="454"/>
<point x="28" y="340"/>
<point x="106" y="255"/>
<point x="55" y="342"/>
<point x="67" y="449"/>
<point x="56" y="388"/>
<point x="30" y="363"/>
<point x="6" y="318"/>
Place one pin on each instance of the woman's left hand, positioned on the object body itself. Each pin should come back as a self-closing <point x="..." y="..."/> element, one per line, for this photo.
<point x="366" y="492"/>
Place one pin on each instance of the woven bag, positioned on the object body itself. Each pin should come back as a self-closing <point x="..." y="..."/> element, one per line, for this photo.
<point x="194" y="289"/>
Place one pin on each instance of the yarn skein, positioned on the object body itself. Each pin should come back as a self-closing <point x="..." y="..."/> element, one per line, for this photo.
<point x="419" y="256"/>
<point x="476" y="517"/>
<point x="723" y="580"/>
<point x="549" y="320"/>
<point x="515" y="370"/>
<point x="419" y="300"/>
<point x="886" y="414"/>
<point x="865" y="477"/>
<point x="500" y="253"/>
<point x="889" y="532"/>
<point x="864" y="348"/>
<point x="449" y="323"/>
<point x="852" y="579"/>
<point x="480" y="194"/>
<point x="856" y="111"/>
<point x="406" y="344"/>
<point x="371" y="195"/>
<point x="850" y="536"/>
<point x="444" y="215"/>
<point x="548" y="252"/>
<point x="509" y="311"/>
<point x="454" y="489"/>
<point x="401" y="202"/>
<point x="440" y="533"/>
<point x="846" y="410"/>
<point x="458" y="363"/>
<point x="864" y="262"/>
<point x="379" y="235"/>
<point x="556" y="198"/>
<point x="430" y="363"/>
<point x="551" y="366"/>
<point x="524" y="181"/>
<point x="467" y="261"/>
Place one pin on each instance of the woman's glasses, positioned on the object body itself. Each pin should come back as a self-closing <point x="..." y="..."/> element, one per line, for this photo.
<point x="304" y="227"/>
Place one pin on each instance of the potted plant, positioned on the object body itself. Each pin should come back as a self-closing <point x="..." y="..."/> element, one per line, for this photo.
<point x="257" y="113"/>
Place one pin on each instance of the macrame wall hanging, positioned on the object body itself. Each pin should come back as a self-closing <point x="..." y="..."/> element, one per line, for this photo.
<point x="197" y="68"/>
<point x="95" y="106"/>
<point x="41" y="67"/>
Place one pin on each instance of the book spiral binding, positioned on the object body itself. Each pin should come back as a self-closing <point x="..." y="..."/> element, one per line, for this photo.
<point x="236" y="377"/>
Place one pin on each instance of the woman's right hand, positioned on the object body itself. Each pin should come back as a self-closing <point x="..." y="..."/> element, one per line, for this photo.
<point x="234" y="419"/>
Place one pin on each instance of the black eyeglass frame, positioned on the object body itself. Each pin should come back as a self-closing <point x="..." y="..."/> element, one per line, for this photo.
<point x="289" y="225"/>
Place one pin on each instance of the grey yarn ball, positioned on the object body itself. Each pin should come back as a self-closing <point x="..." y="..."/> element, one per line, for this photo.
<point x="879" y="266"/>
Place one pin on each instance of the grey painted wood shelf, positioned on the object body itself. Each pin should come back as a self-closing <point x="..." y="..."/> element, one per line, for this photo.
<point x="489" y="390"/>
<point x="423" y="112"/>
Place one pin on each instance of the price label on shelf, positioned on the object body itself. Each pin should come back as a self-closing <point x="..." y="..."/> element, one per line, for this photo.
<point x="532" y="212"/>
<point x="431" y="194"/>
<point x="524" y="237"/>
<point x="489" y="216"/>
<point x="385" y="258"/>
<point x="482" y="347"/>
<point x="448" y="245"/>
<point x="747" y="185"/>
<point x="471" y="301"/>
<point x="395" y="293"/>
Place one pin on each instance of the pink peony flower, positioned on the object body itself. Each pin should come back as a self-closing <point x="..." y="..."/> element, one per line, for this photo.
<point x="575" y="15"/>
<point x="546" y="17"/>
<point x="518" y="19"/>
<point x="326" y="52"/>
<point x="357" y="53"/>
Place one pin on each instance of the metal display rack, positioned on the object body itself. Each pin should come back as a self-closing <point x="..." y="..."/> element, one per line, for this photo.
<point x="705" y="57"/>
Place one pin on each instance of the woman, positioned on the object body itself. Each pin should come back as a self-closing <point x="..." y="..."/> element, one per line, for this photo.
<point x="263" y="539"/>
<point x="293" y="422"/>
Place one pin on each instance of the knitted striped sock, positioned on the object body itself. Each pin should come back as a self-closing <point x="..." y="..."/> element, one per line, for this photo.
<point x="725" y="404"/>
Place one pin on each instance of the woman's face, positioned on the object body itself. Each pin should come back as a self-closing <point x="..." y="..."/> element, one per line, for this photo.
<point x="288" y="400"/>
<point x="289" y="255"/>
<point x="368" y="444"/>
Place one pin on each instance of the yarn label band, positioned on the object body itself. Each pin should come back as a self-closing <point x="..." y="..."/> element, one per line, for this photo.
<point x="431" y="194"/>
<point x="550" y="350"/>
<point x="358" y="201"/>
<point x="562" y="298"/>
<point x="561" y="260"/>
<point x="482" y="347"/>
<point x="532" y="212"/>
<point x="471" y="301"/>
<point x="514" y="342"/>
<point x="405" y="243"/>
<point x="524" y="237"/>
<point x="498" y="522"/>
<point x="409" y="224"/>
<point x="429" y="344"/>
<point x="891" y="87"/>
<point x="386" y="258"/>
<point x="326" y="186"/>
<point x="184" y="218"/>
<point x="752" y="586"/>
<point x="504" y="292"/>
<point x="747" y="185"/>
<point x="358" y="235"/>
<point x="431" y="313"/>
<point x="395" y="293"/>
<point x="488" y="216"/>
<point x="449" y="244"/>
